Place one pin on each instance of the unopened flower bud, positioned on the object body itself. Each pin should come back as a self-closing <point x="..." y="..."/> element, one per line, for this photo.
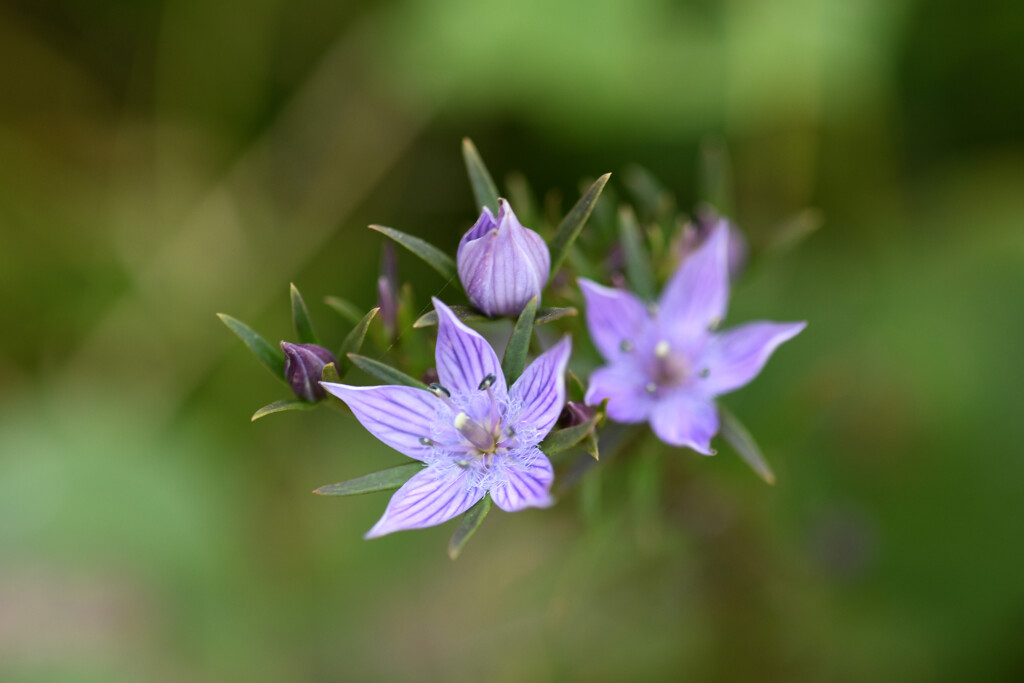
<point x="387" y="290"/>
<point x="502" y="265"/>
<point x="575" y="413"/>
<point x="303" y="365"/>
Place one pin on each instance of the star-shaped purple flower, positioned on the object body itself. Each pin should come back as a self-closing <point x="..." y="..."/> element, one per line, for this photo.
<point x="666" y="362"/>
<point x="473" y="433"/>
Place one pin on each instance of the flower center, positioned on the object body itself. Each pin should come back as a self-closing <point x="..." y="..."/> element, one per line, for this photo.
<point x="475" y="433"/>
<point x="670" y="369"/>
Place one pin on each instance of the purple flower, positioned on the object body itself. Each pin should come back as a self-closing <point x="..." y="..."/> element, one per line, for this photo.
<point x="666" y="364"/>
<point x="502" y="265"/>
<point x="473" y="433"/>
<point x="303" y="365"/>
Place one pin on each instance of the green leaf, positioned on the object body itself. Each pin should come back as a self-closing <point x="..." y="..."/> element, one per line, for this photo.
<point x="521" y="197"/>
<point x="638" y="265"/>
<point x="385" y="372"/>
<point x="794" y="231"/>
<point x="468" y="526"/>
<point x="570" y="227"/>
<point x="281" y="406"/>
<point x="575" y="389"/>
<point x="737" y="436"/>
<point x="484" y="189"/>
<point x="469" y="314"/>
<point x="300" y="318"/>
<point x="354" y="341"/>
<point x="272" y="357"/>
<point x="550" y="315"/>
<point x="652" y="200"/>
<point x="463" y="313"/>
<point x="434" y="257"/>
<point x="384" y="480"/>
<point x="564" y="439"/>
<point x="330" y="373"/>
<point x="519" y="343"/>
<point x="346" y="309"/>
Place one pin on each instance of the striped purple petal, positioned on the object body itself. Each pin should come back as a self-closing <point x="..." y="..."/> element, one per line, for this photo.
<point x="736" y="356"/>
<point x="431" y="497"/>
<point x="401" y="417"/>
<point x="697" y="295"/>
<point x="527" y="482"/>
<point x="463" y="357"/>
<point x="540" y="390"/>
<point x="683" y="419"/>
<point x="624" y="385"/>
<point x="616" y="319"/>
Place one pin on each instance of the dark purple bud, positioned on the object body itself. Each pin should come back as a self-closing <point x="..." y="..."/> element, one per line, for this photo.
<point x="575" y="413"/>
<point x="430" y="376"/>
<point x="303" y="365"/>
<point x="387" y="289"/>
<point x="696" y="232"/>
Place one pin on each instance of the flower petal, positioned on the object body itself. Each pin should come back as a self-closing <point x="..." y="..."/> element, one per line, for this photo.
<point x="616" y="319"/>
<point x="735" y="357"/>
<point x="623" y="384"/>
<point x="540" y="390"/>
<point x="431" y="497"/>
<point x="463" y="357"/>
<point x="683" y="419"/>
<point x="527" y="482"/>
<point x="697" y="295"/>
<point x="398" y="416"/>
<point x="483" y="225"/>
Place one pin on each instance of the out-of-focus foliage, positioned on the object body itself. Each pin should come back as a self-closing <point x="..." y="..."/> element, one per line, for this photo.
<point x="161" y="161"/>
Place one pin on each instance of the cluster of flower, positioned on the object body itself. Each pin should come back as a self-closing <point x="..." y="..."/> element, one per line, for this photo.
<point x="483" y="428"/>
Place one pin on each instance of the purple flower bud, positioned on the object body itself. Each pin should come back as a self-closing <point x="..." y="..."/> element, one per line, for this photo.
<point x="387" y="289"/>
<point x="575" y="413"/>
<point x="303" y="365"/>
<point x="696" y="232"/>
<point x="502" y="265"/>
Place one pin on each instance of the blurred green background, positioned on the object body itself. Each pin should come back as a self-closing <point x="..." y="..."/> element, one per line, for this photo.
<point x="163" y="161"/>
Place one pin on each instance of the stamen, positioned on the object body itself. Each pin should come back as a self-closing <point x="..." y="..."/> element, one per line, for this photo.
<point x="439" y="390"/>
<point x="487" y="381"/>
<point x="474" y="433"/>
<point x="651" y="387"/>
<point x="713" y="324"/>
<point x="626" y="346"/>
<point x="662" y="349"/>
<point x="425" y="441"/>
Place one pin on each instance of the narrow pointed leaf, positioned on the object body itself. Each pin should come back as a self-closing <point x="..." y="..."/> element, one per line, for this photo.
<point x="385" y="373"/>
<point x="464" y="313"/>
<point x="564" y="439"/>
<point x="346" y="309"/>
<point x="354" y="341"/>
<point x="638" y="265"/>
<point x="330" y="374"/>
<point x="737" y="436"/>
<point x="550" y="315"/>
<point x="282" y="406"/>
<point x="570" y="227"/>
<point x="590" y="445"/>
<point x="575" y="388"/>
<point x="794" y="231"/>
<point x="467" y="527"/>
<point x="469" y="314"/>
<point x="521" y="197"/>
<point x="384" y="480"/>
<point x="271" y="356"/>
<point x="434" y="257"/>
<point x="300" y="318"/>
<point x="484" y="189"/>
<point x="519" y="343"/>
